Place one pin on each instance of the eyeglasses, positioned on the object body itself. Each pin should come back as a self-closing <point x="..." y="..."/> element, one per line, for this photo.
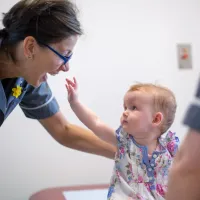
<point x="64" y="58"/>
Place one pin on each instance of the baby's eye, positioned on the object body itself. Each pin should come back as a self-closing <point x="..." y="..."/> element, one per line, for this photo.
<point x="133" y="107"/>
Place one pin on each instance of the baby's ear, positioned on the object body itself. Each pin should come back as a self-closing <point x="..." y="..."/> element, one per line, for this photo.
<point x="158" y="118"/>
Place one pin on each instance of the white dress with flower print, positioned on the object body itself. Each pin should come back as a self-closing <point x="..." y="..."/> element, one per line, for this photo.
<point x="135" y="175"/>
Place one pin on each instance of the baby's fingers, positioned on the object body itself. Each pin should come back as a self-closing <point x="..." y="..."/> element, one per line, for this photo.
<point x="75" y="83"/>
<point x="70" y="82"/>
<point x="68" y="88"/>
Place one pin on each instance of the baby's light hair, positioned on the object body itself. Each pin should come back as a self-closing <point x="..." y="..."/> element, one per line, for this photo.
<point x="164" y="101"/>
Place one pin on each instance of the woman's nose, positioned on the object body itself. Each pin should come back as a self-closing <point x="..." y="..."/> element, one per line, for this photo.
<point x="64" y="68"/>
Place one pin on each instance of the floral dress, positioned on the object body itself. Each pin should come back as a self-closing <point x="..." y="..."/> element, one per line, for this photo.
<point x="136" y="176"/>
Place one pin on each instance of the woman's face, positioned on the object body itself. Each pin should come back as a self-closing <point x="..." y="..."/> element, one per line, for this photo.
<point x="41" y="61"/>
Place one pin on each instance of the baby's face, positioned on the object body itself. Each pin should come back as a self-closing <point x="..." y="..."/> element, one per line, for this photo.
<point x="137" y="118"/>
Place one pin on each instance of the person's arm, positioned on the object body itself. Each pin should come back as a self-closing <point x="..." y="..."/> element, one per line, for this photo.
<point x="184" y="176"/>
<point x="75" y="137"/>
<point x="88" y="117"/>
<point x="39" y="103"/>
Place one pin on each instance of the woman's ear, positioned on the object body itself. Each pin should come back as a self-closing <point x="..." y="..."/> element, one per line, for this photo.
<point x="29" y="46"/>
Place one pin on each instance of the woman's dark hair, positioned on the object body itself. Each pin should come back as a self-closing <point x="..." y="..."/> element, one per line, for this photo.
<point x="48" y="21"/>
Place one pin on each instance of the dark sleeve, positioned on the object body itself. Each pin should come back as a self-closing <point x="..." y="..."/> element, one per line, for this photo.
<point x="192" y="117"/>
<point x="39" y="103"/>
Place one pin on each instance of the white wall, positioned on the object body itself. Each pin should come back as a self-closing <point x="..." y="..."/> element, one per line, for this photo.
<point x="125" y="41"/>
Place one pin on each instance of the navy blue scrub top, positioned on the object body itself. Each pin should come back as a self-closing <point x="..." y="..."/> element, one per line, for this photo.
<point x="36" y="103"/>
<point x="192" y="116"/>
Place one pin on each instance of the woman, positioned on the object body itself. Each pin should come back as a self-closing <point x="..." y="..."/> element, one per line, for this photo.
<point x="38" y="38"/>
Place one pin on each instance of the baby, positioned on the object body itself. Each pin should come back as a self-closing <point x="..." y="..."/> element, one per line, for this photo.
<point x="143" y="155"/>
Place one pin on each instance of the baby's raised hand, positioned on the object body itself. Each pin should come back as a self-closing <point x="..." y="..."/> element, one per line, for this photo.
<point x="72" y="89"/>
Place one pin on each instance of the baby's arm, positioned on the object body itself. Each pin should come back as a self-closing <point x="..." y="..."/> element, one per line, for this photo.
<point x="87" y="117"/>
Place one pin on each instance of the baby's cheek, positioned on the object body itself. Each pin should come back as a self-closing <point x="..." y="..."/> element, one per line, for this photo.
<point x="121" y="119"/>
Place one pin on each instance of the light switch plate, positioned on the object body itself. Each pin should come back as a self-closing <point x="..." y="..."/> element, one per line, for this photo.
<point x="184" y="52"/>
